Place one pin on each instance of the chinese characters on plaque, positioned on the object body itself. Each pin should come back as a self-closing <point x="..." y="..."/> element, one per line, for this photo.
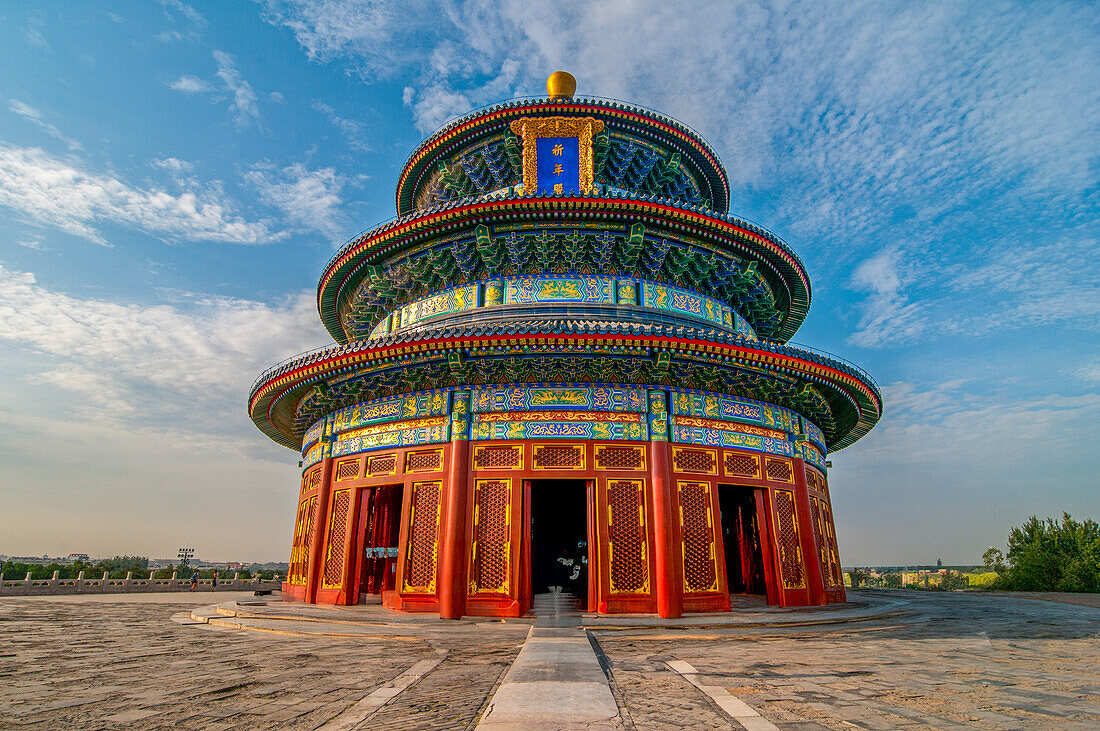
<point x="558" y="164"/>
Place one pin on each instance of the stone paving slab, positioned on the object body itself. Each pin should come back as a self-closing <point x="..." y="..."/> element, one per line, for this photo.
<point x="555" y="682"/>
<point x="936" y="660"/>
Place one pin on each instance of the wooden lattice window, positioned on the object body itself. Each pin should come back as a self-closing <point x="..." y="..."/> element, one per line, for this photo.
<point x="824" y="550"/>
<point x="347" y="469"/>
<point x="383" y="464"/>
<point x="427" y="461"/>
<point x="311" y="480"/>
<point x="303" y="534"/>
<point x="509" y="457"/>
<point x="836" y="573"/>
<point x="620" y="458"/>
<point x="558" y="457"/>
<point x="420" y="553"/>
<point x="337" y="539"/>
<point x="628" y="549"/>
<point x="312" y="520"/>
<point x="778" y="470"/>
<point x="697" y="528"/>
<point x="694" y="460"/>
<point x="491" y="552"/>
<point x="742" y="465"/>
<point x="790" y="553"/>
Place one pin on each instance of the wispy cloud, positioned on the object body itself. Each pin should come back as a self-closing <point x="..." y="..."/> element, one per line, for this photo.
<point x="173" y="164"/>
<point x="186" y="10"/>
<point x="310" y="198"/>
<point x="352" y="129"/>
<point x="34" y="116"/>
<point x="50" y="191"/>
<point x="841" y="115"/>
<point x="143" y="362"/>
<point x="244" y="98"/>
<point x="36" y="39"/>
<point x="191" y="85"/>
<point x="32" y="243"/>
<point x="887" y="315"/>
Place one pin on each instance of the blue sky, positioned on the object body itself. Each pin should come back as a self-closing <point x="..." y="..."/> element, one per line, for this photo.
<point x="174" y="176"/>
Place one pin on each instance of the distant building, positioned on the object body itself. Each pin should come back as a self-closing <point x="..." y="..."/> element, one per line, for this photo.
<point x="564" y="366"/>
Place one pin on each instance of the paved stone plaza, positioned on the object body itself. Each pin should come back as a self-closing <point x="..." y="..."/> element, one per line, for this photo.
<point x="894" y="659"/>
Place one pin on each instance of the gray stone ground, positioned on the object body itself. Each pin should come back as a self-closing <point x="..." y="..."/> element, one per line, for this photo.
<point x="945" y="660"/>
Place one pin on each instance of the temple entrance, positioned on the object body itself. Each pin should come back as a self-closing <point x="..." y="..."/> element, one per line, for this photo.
<point x="379" y="526"/>
<point x="559" y="537"/>
<point x="741" y="535"/>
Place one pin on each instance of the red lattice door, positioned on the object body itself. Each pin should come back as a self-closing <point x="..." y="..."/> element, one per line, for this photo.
<point x="697" y="529"/>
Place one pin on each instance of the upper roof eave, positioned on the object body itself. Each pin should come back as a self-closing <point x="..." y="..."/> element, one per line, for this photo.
<point x="371" y="244"/>
<point x="487" y="119"/>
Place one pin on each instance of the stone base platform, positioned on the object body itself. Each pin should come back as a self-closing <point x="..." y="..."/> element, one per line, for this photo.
<point x="370" y="619"/>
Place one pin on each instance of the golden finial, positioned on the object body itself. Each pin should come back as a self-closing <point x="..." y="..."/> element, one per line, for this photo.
<point x="561" y="85"/>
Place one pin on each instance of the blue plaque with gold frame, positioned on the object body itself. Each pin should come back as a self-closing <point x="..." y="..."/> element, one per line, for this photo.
<point x="557" y="153"/>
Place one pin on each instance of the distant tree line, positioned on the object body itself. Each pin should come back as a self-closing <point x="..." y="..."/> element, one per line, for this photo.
<point x="1048" y="555"/>
<point x="116" y="568"/>
<point x="945" y="581"/>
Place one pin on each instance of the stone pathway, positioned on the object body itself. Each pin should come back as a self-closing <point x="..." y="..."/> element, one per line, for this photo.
<point x="556" y="681"/>
<point x="899" y="659"/>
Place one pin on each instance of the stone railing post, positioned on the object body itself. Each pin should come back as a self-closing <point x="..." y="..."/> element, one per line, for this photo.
<point x="53" y="581"/>
<point x="27" y="584"/>
<point x="236" y="579"/>
<point x="80" y="583"/>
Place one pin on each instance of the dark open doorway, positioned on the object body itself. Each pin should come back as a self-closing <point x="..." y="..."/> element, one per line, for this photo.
<point x="559" y="537"/>
<point x="741" y="535"/>
<point x="379" y="526"/>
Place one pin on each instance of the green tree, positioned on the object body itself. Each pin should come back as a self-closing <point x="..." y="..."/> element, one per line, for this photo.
<point x="891" y="580"/>
<point x="1050" y="555"/>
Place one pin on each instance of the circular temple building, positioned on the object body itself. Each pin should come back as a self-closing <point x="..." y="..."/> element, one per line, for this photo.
<point x="563" y="367"/>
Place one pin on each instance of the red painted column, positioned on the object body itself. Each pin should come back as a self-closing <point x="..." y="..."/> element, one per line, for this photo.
<point x="452" y="534"/>
<point x="453" y="546"/>
<point x="320" y="523"/>
<point x="669" y="577"/>
<point x="811" y="556"/>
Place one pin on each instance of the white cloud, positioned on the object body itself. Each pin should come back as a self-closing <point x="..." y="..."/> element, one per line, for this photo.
<point x="1090" y="372"/>
<point x="51" y="191"/>
<point x="869" y="106"/>
<point x="191" y="85"/>
<point x="379" y="36"/>
<point x="1031" y="282"/>
<point x="173" y="164"/>
<point x="435" y="104"/>
<point x="244" y="98"/>
<point x="310" y="198"/>
<point x="887" y="315"/>
<point x="197" y="355"/>
<point x="34" y="116"/>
